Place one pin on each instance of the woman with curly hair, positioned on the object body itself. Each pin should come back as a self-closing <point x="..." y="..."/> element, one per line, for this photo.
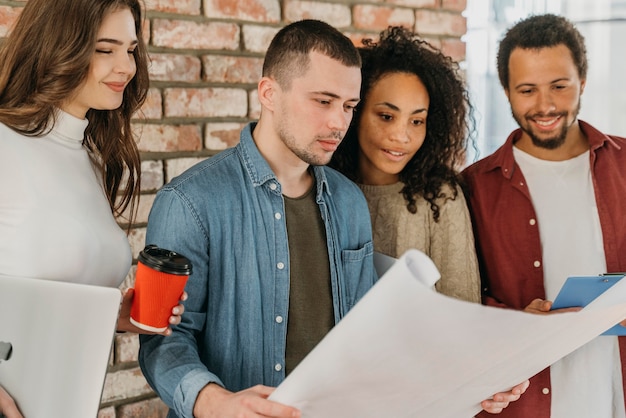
<point x="406" y="141"/>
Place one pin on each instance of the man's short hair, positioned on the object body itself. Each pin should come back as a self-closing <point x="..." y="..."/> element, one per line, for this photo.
<point x="288" y="54"/>
<point x="542" y="31"/>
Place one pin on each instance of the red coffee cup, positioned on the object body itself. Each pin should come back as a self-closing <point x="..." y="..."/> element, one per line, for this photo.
<point x="159" y="284"/>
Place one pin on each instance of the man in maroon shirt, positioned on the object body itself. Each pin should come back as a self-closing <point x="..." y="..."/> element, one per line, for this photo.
<point x="547" y="204"/>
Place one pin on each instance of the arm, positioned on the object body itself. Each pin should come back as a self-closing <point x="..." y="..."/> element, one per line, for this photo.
<point x="172" y="365"/>
<point x="8" y="408"/>
<point x="216" y="402"/>
<point x="176" y="366"/>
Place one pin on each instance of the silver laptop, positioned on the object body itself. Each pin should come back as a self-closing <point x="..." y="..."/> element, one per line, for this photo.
<point x="55" y="343"/>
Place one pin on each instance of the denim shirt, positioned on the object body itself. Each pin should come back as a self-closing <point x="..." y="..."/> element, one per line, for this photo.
<point x="226" y="214"/>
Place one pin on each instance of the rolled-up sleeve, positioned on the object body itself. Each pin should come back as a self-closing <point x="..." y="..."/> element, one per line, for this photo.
<point x="172" y="364"/>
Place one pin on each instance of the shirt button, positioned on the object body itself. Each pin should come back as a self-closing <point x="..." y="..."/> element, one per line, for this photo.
<point x="280" y="266"/>
<point x="278" y="367"/>
<point x="545" y="391"/>
<point x="537" y="263"/>
<point x="279" y="319"/>
<point x="532" y="222"/>
<point x="273" y="186"/>
<point x="278" y="216"/>
<point x="521" y="183"/>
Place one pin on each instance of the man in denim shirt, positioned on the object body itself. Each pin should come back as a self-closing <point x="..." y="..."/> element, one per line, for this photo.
<point x="232" y="214"/>
<point x="281" y="246"/>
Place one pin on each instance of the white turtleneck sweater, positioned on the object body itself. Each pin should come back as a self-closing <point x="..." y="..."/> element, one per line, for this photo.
<point x="55" y="221"/>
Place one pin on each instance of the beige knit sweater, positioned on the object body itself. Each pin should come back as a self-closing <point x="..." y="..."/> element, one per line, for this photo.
<point x="449" y="242"/>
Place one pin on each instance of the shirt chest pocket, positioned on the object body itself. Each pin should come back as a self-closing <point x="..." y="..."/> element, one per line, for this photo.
<point x="358" y="274"/>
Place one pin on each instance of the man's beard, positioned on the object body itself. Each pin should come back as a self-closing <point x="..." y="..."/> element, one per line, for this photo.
<point x="302" y="153"/>
<point x="549" y="143"/>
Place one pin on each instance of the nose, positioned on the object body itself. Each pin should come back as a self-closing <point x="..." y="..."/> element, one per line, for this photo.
<point x="340" y="119"/>
<point x="398" y="132"/>
<point x="125" y="64"/>
<point x="545" y="102"/>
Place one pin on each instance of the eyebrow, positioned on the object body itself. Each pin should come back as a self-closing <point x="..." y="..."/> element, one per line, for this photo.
<point x="335" y="96"/>
<point x="116" y="41"/>
<point x="558" y="80"/>
<point x="396" y="108"/>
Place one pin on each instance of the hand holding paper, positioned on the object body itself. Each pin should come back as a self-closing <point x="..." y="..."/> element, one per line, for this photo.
<point x="407" y="351"/>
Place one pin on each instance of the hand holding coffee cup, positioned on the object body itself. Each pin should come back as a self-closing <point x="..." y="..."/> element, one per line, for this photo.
<point x="159" y="284"/>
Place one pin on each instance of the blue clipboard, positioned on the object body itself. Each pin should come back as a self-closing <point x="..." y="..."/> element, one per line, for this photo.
<point x="581" y="290"/>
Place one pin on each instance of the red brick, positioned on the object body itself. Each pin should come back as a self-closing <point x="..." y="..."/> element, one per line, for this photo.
<point x="257" y="38"/>
<point x="440" y="23"/>
<point x="152" y="107"/>
<point x="187" y="7"/>
<point x="170" y="138"/>
<point x="151" y="408"/>
<point x="252" y="10"/>
<point x="137" y="241"/>
<point x="337" y="15"/>
<point x="455" y="5"/>
<point x="8" y="16"/>
<point x="152" y="177"/>
<point x="254" y="110"/>
<point x="126" y="348"/>
<point x="205" y="102"/>
<point x="222" y="135"/>
<point x="175" y="67"/>
<point x="454" y="48"/>
<point x="380" y="17"/>
<point x="177" y="166"/>
<point x="123" y="384"/>
<point x="182" y="34"/>
<point x="143" y="210"/>
<point x="232" y="69"/>
<point x="418" y="4"/>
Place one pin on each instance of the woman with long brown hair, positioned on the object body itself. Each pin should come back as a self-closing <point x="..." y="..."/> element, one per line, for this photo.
<point x="72" y="75"/>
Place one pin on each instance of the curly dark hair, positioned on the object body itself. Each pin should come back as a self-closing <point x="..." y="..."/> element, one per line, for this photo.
<point x="450" y="122"/>
<point x="541" y="31"/>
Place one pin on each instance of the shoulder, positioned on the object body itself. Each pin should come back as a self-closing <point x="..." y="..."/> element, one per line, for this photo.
<point x="212" y="171"/>
<point x="336" y="180"/>
<point x="451" y="198"/>
<point x="343" y="192"/>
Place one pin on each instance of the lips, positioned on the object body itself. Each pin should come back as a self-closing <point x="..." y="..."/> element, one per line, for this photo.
<point x="329" y="146"/>
<point x="547" y="124"/>
<point x="116" y="87"/>
<point x="394" y="155"/>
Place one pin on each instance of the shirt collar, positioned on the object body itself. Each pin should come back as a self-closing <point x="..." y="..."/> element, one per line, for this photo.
<point x="68" y="130"/>
<point x="503" y="157"/>
<point x="259" y="170"/>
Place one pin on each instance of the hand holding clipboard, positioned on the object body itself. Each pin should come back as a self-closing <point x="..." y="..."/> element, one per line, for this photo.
<point x="581" y="290"/>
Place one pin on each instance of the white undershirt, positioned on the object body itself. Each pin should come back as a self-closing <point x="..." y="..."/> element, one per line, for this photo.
<point x="55" y="221"/>
<point x="587" y="383"/>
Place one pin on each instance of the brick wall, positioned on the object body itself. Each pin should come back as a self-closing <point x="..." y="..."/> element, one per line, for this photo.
<point x="206" y="60"/>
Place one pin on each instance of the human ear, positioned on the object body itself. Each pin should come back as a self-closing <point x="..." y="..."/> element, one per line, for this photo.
<point x="267" y="92"/>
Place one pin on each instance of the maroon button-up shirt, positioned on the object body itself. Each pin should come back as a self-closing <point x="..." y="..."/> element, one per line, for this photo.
<point x="507" y="237"/>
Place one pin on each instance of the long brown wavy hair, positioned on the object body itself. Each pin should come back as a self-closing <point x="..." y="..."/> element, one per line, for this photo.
<point x="45" y="58"/>
<point x="450" y="122"/>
